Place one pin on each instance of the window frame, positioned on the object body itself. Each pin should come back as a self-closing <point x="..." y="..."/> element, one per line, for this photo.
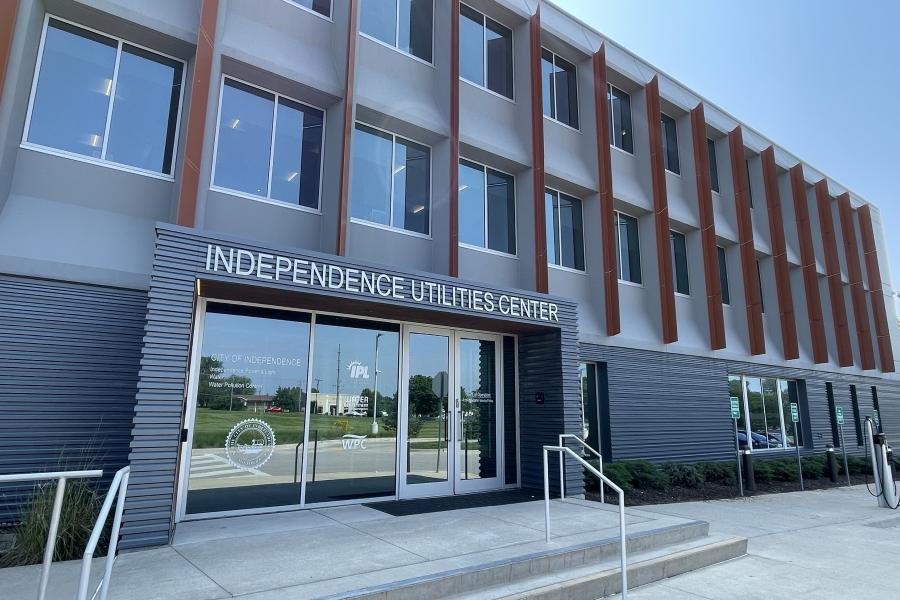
<point x="663" y="117"/>
<point x="396" y="45"/>
<point x="394" y="137"/>
<point x="782" y="403"/>
<point x="554" y="96"/>
<point x="612" y="141"/>
<point x="266" y="199"/>
<point x="512" y="57"/>
<point x="103" y="162"/>
<point x="723" y="268"/>
<point x="558" y="234"/>
<point x="515" y="214"/>
<point x="329" y="17"/>
<point x="619" y="253"/>
<point x="672" y="234"/>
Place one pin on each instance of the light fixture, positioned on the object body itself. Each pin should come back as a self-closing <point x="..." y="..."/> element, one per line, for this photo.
<point x="234" y="123"/>
<point x="463" y="187"/>
<point x="292" y="176"/>
<point x="107" y="87"/>
<point x="418" y="209"/>
<point x="95" y="140"/>
<point x="398" y="169"/>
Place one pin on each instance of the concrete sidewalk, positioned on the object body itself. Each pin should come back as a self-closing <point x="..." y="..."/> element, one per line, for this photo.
<point x="821" y="545"/>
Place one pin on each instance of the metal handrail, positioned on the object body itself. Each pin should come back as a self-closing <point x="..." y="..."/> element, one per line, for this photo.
<point x="562" y="470"/>
<point x="118" y="487"/>
<point x="603" y="479"/>
<point x="60" y="477"/>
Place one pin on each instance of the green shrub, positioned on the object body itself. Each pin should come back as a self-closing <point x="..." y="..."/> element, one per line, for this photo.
<point x="721" y="473"/>
<point x="814" y="467"/>
<point x="620" y="474"/>
<point x="646" y="475"/>
<point x="80" y="508"/>
<point x="857" y="465"/>
<point x="784" y="469"/>
<point x="683" y="475"/>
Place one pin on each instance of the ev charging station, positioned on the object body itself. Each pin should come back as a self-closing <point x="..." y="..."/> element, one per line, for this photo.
<point x="885" y="487"/>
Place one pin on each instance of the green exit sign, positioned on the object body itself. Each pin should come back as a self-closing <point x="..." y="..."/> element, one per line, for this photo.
<point x="839" y="413"/>
<point x="795" y="412"/>
<point x="735" y="408"/>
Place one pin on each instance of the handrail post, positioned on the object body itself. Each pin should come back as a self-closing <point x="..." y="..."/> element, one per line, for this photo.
<point x="562" y="485"/>
<point x="50" y="547"/>
<point x="622" y="545"/>
<point x="546" y="499"/>
<point x="114" y="536"/>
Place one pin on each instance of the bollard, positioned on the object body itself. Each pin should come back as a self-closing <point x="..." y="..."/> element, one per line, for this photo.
<point x="831" y="463"/>
<point x="749" y="477"/>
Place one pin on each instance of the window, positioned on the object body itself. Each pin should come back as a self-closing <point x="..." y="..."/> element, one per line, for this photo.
<point x="680" y="263"/>
<point x="749" y="185"/>
<point x="832" y="411"/>
<point x="877" y="408"/>
<point x="391" y="180"/>
<point x="565" y="242"/>
<point x="485" y="52"/>
<point x="268" y="145"/>
<point x="620" y="119"/>
<point x="105" y="99"/>
<point x="323" y="7"/>
<point x="560" y="89"/>
<point x="766" y="413"/>
<point x="628" y="248"/>
<point x="403" y="24"/>
<point x="487" y="208"/>
<point x="713" y="164"/>
<point x="762" y="301"/>
<point x="670" y="144"/>
<point x="857" y="419"/>
<point x="723" y="275"/>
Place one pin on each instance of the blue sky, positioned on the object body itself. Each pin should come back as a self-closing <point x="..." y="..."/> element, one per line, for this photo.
<point x="819" y="77"/>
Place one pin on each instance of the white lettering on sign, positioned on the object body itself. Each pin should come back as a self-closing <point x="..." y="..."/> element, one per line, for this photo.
<point x="353" y="442"/>
<point x="310" y="273"/>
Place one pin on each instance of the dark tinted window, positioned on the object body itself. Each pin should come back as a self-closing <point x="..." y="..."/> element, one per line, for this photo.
<point x="89" y="103"/>
<point x="628" y="248"/>
<point x="245" y="144"/>
<point x="565" y="237"/>
<point x="620" y="134"/>
<point x="499" y="58"/>
<point x="762" y="301"/>
<point x="323" y="7"/>
<point x="749" y="183"/>
<point x="680" y="263"/>
<point x="561" y="103"/>
<point x="404" y="24"/>
<point x="485" y="51"/>
<point x="713" y="164"/>
<point x="723" y="275"/>
<point x="670" y="144"/>
<point x="487" y="212"/>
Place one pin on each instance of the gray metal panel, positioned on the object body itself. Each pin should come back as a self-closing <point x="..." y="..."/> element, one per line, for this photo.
<point x="666" y="406"/>
<point x="68" y="375"/>
<point x="179" y="260"/>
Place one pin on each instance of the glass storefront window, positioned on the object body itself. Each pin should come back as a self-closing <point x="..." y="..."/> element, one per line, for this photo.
<point x="477" y="379"/>
<point x="765" y="407"/>
<point x="352" y="447"/>
<point x="250" y="409"/>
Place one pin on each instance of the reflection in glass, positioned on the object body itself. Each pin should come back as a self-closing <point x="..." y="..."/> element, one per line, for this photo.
<point x="670" y="144"/>
<point x="620" y="134"/>
<point x="501" y="211"/>
<point x="565" y="242"/>
<point x="756" y="411"/>
<point x="142" y="129"/>
<point x="499" y="58"/>
<point x="713" y="164"/>
<point x="250" y="412"/>
<point x="471" y="204"/>
<point x="628" y="248"/>
<point x="378" y="18"/>
<point x="471" y="45"/>
<point x="415" y="22"/>
<point x="428" y="426"/>
<point x="245" y="139"/>
<point x="547" y="89"/>
<point x="297" y="154"/>
<point x="679" y="263"/>
<point x="352" y="445"/>
<point x="478" y="409"/>
<point x="791" y="430"/>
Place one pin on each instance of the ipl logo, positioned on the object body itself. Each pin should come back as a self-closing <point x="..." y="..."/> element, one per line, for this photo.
<point x="358" y="370"/>
<point x="353" y="442"/>
<point x="250" y="444"/>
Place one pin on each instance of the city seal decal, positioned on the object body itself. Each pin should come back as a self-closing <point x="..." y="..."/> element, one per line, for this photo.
<point x="250" y="444"/>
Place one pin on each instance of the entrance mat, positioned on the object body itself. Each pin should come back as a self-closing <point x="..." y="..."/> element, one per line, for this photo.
<point x="403" y="508"/>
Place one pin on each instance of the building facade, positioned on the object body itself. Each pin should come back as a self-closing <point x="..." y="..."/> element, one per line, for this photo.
<point x="290" y="253"/>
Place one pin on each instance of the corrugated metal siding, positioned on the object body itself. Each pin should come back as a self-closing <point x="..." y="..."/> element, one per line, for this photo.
<point x="667" y="406"/>
<point x="179" y="260"/>
<point x="69" y="357"/>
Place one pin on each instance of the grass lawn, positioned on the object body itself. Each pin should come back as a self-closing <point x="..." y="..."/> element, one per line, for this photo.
<point x="211" y="427"/>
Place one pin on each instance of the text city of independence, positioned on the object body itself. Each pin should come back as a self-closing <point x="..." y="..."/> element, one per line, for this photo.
<point x="310" y="273"/>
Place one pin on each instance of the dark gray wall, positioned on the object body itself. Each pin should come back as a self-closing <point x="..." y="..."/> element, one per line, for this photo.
<point x="667" y="406"/>
<point x="179" y="261"/>
<point x="69" y="359"/>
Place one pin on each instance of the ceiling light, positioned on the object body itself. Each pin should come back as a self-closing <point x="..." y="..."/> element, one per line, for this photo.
<point x="418" y="209"/>
<point x="107" y="87"/>
<point x="463" y="187"/>
<point x="94" y="140"/>
<point x="234" y="123"/>
<point x="292" y="175"/>
<point x="398" y="169"/>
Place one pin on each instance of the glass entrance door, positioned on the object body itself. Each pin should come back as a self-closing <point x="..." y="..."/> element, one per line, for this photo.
<point x="451" y="413"/>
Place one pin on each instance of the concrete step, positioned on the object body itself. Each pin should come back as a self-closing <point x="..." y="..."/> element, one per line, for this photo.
<point x="600" y="581"/>
<point x="498" y="575"/>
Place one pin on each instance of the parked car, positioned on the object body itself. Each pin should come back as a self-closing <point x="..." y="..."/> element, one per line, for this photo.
<point x="274" y="409"/>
